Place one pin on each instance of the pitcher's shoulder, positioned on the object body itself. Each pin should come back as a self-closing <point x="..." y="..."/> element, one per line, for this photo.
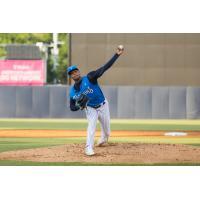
<point x="84" y="77"/>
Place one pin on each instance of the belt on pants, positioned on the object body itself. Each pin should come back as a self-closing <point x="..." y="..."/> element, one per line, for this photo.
<point x="98" y="106"/>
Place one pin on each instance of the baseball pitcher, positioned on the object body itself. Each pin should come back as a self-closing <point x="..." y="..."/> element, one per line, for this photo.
<point x="86" y="95"/>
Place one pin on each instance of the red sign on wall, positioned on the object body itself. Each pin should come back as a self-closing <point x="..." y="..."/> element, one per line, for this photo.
<point x="22" y="72"/>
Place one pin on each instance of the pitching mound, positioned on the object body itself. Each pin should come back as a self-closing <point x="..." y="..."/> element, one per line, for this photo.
<point x="112" y="153"/>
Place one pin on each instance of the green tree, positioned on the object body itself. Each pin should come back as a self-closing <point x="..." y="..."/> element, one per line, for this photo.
<point x="63" y="57"/>
<point x="2" y="53"/>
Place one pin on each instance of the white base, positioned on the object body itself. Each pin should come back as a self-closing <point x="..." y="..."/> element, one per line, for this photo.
<point x="175" y="134"/>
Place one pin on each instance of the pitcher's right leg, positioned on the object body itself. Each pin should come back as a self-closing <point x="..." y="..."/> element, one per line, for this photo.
<point x="104" y="118"/>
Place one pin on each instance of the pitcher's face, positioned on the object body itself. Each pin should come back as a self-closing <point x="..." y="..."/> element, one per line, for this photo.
<point x="76" y="75"/>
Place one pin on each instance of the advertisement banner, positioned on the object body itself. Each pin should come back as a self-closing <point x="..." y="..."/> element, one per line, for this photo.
<point x="22" y="72"/>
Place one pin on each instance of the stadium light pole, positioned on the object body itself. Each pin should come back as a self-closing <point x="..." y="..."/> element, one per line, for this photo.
<point x="69" y="58"/>
<point x="54" y="51"/>
<point x="55" y="54"/>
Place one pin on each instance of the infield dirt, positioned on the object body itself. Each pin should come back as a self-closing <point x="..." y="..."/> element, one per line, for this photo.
<point x="73" y="133"/>
<point x="110" y="153"/>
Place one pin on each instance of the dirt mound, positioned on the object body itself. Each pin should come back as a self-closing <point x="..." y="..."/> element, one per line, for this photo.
<point x="112" y="153"/>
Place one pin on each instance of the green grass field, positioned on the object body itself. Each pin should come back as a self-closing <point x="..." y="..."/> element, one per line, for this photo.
<point x="8" y="144"/>
<point x="81" y="124"/>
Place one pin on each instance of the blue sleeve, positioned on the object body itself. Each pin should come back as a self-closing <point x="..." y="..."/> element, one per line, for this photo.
<point x="94" y="75"/>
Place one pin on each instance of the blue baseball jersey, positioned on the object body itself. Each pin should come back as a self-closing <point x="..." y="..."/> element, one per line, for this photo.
<point x="93" y="92"/>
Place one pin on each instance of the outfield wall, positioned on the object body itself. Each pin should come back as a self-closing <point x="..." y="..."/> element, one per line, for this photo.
<point x="149" y="59"/>
<point x="125" y="102"/>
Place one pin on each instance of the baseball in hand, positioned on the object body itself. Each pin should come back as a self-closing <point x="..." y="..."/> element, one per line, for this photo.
<point x="121" y="47"/>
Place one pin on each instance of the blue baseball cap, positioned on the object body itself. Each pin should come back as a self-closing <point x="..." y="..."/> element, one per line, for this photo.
<point x="72" y="68"/>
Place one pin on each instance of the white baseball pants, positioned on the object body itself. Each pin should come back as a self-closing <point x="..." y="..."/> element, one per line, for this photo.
<point x="103" y="115"/>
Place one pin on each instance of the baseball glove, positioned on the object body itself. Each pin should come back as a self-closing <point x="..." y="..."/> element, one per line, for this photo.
<point x="82" y="101"/>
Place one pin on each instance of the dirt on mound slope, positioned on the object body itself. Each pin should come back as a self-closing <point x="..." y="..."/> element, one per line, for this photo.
<point x="112" y="153"/>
